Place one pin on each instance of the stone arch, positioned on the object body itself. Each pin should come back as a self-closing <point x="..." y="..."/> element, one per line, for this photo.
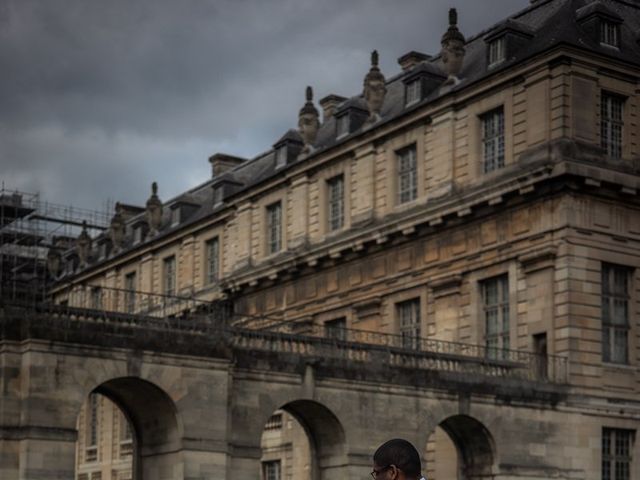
<point x="156" y="428"/>
<point x="474" y="444"/>
<point x="326" y="437"/>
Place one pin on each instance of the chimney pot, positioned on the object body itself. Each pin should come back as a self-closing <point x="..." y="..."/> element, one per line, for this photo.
<point x="329" y="104"/>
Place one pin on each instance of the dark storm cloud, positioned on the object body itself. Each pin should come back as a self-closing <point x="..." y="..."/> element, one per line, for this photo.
<point x="99" y="98"/>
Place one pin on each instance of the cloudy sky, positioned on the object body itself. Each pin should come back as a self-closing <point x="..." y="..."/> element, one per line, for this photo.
<point x="100" y="98"/>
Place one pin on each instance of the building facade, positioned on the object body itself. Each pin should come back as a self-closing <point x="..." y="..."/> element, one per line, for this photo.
<point x="485" y="196"/>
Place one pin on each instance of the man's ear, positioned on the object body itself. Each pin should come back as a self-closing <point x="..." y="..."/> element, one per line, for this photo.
<point x="395" y="472"/>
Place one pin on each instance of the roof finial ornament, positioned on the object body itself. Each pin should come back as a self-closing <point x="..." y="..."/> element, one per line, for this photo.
<point x="154" y="210"/>
<point x="308" y="122"/>
<point x="375" y="89"/>
<point x="453" y="17"/>
<point x="117" y="228"/>
<point x="84" y="244"/>
<point x="453" y="48"/>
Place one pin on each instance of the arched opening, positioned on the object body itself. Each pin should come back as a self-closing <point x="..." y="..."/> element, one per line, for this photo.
<point x="127" y="430"/>
<point x="460" y="448"/>
<point x="302" y="440"/>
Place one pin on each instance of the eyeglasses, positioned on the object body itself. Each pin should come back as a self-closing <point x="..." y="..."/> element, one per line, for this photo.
<point x="375" y="473"/>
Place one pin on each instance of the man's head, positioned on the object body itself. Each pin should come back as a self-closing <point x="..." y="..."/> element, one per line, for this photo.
<point x="396" y="459"/>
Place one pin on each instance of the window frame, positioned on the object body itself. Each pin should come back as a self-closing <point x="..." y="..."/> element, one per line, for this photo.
<point x="496" y="340"/>
<point x="609" y="126"/>
<point x="335" y="203"/>
<point x="343" y="125"/>
<point x="611" y="330"/>
<point x="609" y="33"/>
<point x="130" y="279"/>
<point x="211" y="277"/>
<point x="613" y="453"/>
<point x="281" y="156"/>
<point x="273" y="232"/>
<point x="413" y="92"/>
<point x="492" y="129"/>
<point x="410" y="332"/>
<point x="169" y="278"/>
<point x="266" y="465"/>
<point x="497" y="51"/>
<point x="336" y="328"/>
<point x="411" y="173"/>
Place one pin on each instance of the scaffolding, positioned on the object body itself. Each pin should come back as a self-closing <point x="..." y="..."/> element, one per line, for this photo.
<point x="29" y="229"/>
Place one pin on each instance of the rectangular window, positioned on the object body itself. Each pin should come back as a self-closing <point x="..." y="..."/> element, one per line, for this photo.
<point x="495" y="297"/>
<point x="407" y="174"/>
<point x="175" y="216"/>
<point x="611" y="123"/>
<point x="497" y="51"/>
<point x="281" y="156"/>
<point x="336" y="328"/>
<point x="609" y="33"/>
<point x="615" y="313"/>
<point x="616" y="453"/>
<point x="169" y="275"/>
<point x="126" y="439"/>
<point x="343" y="125"/>
<point x="271" y="470"/>
<point x="212" y="253"/>
<point x="409" y="319"/>
<point x="274" y="227"/>
<point x="493" y="140"/>
<point x="274" y="422"/>
<point x="335" y="195"/>
<point x="91" y="419"/>
<point x="96" y="298"/>
<point x="130" y="292"/>
<point x="137" y="234"/>
<point x="413" y="92"/>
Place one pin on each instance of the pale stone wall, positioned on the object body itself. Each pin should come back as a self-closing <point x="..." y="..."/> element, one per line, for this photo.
<point x="113" y="457"/>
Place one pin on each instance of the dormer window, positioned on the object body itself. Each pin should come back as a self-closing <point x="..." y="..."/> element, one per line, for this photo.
<point x="610" y="33"/>
<point x="343" y="125"/>
<point x="281" y="156"/>
<point x="413" y="91"/>
<point x="217" y="195"/>
<point x="102" y="251"/>
<point x="497" y="51"/>
<point x="175" y="216"/>
<point x="137" y="234"/>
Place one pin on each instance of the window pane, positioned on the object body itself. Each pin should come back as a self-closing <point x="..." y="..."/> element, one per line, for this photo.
<point x="611" y="124"/>
<point x="408" y="313"/>
<point x="212" y="259"/>
<point x="274" y="228"/>
<point x="335" y="190"/>
<point x="407" y="167"/>
<point x="493" y="140"/>
<point x="495" y="293"/>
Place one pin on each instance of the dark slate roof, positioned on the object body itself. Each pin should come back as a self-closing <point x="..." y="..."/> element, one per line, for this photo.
<point x="550" y="22"/>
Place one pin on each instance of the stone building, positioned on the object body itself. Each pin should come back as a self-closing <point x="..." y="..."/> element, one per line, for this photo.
<point x="485" y="196"/>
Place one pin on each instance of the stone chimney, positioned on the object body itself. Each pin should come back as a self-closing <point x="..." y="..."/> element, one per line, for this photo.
<point x="375" y="88"/>
<point x="453" y="48"/>
<point x="329" y="104"/>
<point x="154" y="210"/>
<point x="222" y="163"/>
<point x="411" y="59"/>
<point x="308" y="123"/>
